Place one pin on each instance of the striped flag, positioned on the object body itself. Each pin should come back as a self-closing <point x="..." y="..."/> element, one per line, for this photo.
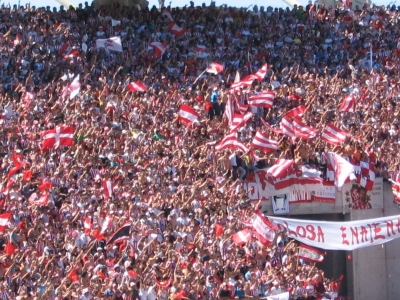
<point x="281" y="168"/>
<point x="242" y="237"/>
<point x="120" y="235"/>
<point x="4" y="220"/>
<point x="239" y="120"/>
<point x="260" y="74"/>
<point x="107" y="188"/>
<point x="262" y="142"/>
<point x="286" y="127"/>
<point x="215" y="68"/>
<point x="302" y="130"/>
<point x="348" y="104"/>
<point x="231" y="142"/>
<point x="228" y="113"/>
<point x="175" y="29"/>
<point x="247" y="81"/>
<point x="333" y="135"/>
<point x="262" y="100"/>
<point x="269" y="127"/>
<point x="188" y="115"/>
<point x="137" y="86"/>
<point x="295" y="112"/>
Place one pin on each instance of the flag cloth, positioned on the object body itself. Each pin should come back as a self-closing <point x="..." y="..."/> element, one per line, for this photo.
<point x="281" y="168"/>
<point x="115" y="22"/>
<point x="333" y="135"/>
<point x="39" y="200"/>
<point x="302" y="130"/>
<point x="231" y="142"/>
<point x="348" y="104"/>
<point x="262" y="100"/>
<point x="59" y="136"/>
<point x="341" y="168"/>
<point x="137" y="86"/>
<point x="176" y="30"/>
<point x="240" y="120"/>
<point x="159" y="48"/>
<point x="107" y="188"/>
<point x="262" y="142"/>
<point x="215" y="68"/>
<point x="310" y="253"/>
<point x="73" y="275"/>
<point x="260" y="74"/>
<point x="228" y="113"/>
<point x="286" y="127"/>
<point x="247" y="81"/>
<point x="120" y="235"/>
<point x="45" y="186"/>
<point x="87" y="225"/>
<point x="296" y="112"/>
<point x="364" y="174"/>
<point x="167" y="13"/>
<point x="165" y="283"/>
<point x="201" y="48"/>
<point x="242" y="237"/>
<point x="219" y="230"/>
<point x="113" y="43"/>
<point x="97" y="235"/>
<point x="9" y="249"/>
<point x="269" y="127"/>
<point x="188" y="115"/>
<point x="4" y="220"/>
<point x="242" y="108"/>
<point x="263" y="229"/>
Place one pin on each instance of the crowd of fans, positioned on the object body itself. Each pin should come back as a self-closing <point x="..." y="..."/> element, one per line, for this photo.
<point x="168" y="181"/>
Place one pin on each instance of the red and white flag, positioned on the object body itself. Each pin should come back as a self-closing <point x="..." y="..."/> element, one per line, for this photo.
<point x="242" y="237"/>
<point x="240" y="120"/>
<point x="39" y="200"/>
<point x="242" y="108"/>
<point x="167" y="13"/>
<point x="74" y="87"/>
<point x="263" y="229"/>
<point x="4" y="220"/>
<point x="348" y="104"/>
<point x="302" y="130"/>
<point x="175" y="29"/>
<point x="188" y="115"/>
<point x="341" y="168"/>
<point x="262" y="100"/>
<point x="107" y="188"/>
<point x="296" y="112"/>
<point x="286" y="127"/>
<point x="269" y="127"/>
<point x="137" y="86"/>
<point x="159" y="48"/>
<point x="113" y="43"/>
<point x="228" y="113"/>
<point x="106" y="224"/>
<point x="333" y="135"/>
<point x="247" y="81"/>
<point x="365" y="175"/>
<point x="59" y="136"/>
<point x="87" y="225"/>
<point x="310" y="253"/>
<point x="201" y="48"/>
<point x="231" y="142"/>
<point x="260" y="74"/>
<point x="215" y="68"/>
<point x="281" y="168"/>
<point x="27" y="99"/>
<point x="262" y="142"/>
<point x="65" y="48"/>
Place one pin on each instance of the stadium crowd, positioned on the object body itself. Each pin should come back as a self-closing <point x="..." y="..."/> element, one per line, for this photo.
<point x="182" y="199"/>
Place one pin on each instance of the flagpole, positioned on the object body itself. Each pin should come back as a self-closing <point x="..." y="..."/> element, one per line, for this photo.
<point x="200" y="75"/>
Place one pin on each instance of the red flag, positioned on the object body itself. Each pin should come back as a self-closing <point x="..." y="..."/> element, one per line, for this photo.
<point x="348" y="104"/>
<point x="107" y="188"/>
<point x="9" y="249"/>
<point x="137" y="86"/>
<point x="63" y="135"/>
<point x="187" y="115"/>
<point x="87" y="224"/>
<point x="262" y="142"/>
<point x="73" y="276"/>
<point x="309" y="253"/>
<point x="242" y="237"/>
<point x="97" y="235"/>
<point x="219" y="230"/>
<point x="4" y="220"/>
<point x="41" y="200"/>
<point x="46" y="186"/>
<point x="231" y="142"/>
<point x="176" y="30"/>
<point x="215" y="68"/>
<point x="132" y="274"/>
<point x="165" y="283"/>
<point x="263" y="229"/>
<point x="101" y="275"/>
<point x="27" y="175"/>
<point x="159" y="48"/>
<point x="295" y="112"/>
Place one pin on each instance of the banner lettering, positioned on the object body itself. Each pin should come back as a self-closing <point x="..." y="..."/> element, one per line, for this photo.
<point x="341" y="235"/>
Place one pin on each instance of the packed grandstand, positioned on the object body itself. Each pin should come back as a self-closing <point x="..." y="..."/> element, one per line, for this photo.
<point x="128" y="135"/>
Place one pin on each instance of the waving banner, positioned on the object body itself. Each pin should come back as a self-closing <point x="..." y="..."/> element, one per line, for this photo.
<point x="341" y="235"/>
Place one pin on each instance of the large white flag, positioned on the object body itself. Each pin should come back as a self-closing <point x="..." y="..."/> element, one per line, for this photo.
<point x="113" y="43"/>
<point x="341" y="167"/>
